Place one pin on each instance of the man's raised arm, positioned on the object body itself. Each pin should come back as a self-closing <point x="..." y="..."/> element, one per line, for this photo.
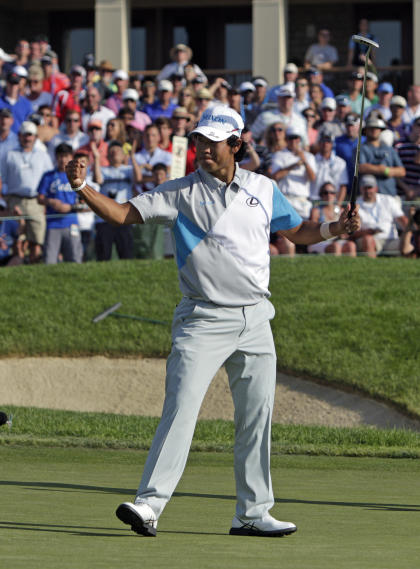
<point x="107" y="208"/>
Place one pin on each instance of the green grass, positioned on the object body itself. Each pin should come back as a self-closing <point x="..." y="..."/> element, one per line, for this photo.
<point x="43" y="427"/>
<point x="58" y="511"/>
<point x="352" y="322"/>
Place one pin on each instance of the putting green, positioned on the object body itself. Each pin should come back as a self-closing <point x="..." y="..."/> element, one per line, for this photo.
<point x="58" y="512"/>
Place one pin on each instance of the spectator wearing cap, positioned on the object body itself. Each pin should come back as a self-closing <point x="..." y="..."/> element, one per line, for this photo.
<point x="294" y="170"/>
<point x="204" y="100"/>
<point x="329" y="123"/>
<point x="163" y="107"/>
<point x="130" y="98"/>
<point x="54" y="81"/>
<point x="22" y="73"/>
<point x="96" y="143"/>
<point x="290" y="75"/>
<point x="72" y="135"/>
<point x="356" y="54"/>
<point x="148" y="96"/>
<point x="104" y="83"/>
<point x="20" y="107"/>
<point x="181" y="56"/>
<point x="329" y="210"/>
<point x="93" y="110"/>
<point x="181" y="121"/>
<point x="343" y="109"/>
<point x="116" y="182"/>
<point x="412" y="110"/>
<point x="380" y="160"/>
<point x="385" y="93"/>
<point x="115" y="101"/>
<point x="354" y="93"/>
<point x="195" y="82"/>
<point x="321" y="55"/>
<point x="315" y="76"/>
<point x="379" y="215"/>
<point x="371" y="86"/>
<point x="22" y="171"/>
<point x="329" y="168"/>
<point x="36" y="96"/>
<point x="56" y="194"/>
<point x="409" y="151"/>
<point x="70" y="99"/>
<point x="151" y="154"/>
<point x="396" y="123"/>
<point x="302" y="95"/>
<point x="284" y="113"/>
<point x="345" y="145"/>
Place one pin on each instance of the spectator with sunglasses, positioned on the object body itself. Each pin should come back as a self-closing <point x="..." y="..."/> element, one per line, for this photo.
<point x="72" y="134"/>
<point x="302" y="95"/>
<point x="312" y="118"/>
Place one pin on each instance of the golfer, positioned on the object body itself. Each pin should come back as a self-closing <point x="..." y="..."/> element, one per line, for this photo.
<point x="221" y="217"/>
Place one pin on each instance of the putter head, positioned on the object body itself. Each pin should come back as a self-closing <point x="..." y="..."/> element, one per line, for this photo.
<point x="365" y="41"/>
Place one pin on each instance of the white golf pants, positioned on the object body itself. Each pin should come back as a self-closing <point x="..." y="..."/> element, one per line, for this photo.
<point x="206" y="336"/>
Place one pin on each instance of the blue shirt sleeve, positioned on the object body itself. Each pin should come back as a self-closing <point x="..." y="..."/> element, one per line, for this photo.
<point x="284" y="215"/>
<point x="44" y="184"/>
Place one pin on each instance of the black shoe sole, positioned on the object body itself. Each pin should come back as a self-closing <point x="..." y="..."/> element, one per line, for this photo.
<point x="127" y="516"/>
<point x="258" y="533"/>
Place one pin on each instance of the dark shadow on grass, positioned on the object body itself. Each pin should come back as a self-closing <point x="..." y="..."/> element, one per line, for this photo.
<point x="56" y="528"/>
<point x="62" y="487"/>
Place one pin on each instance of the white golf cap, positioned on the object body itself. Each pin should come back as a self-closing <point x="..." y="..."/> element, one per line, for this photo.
<point x="291" y="68"/>
<point x="260" y="82"/>
<point x="78" y="70"/>
<point x="130" y="94"/>
<point x="20" y="70"/>
<point x="368" y="181"/>
<point x="375" y="122"/>
<point x="329" y="103"/>
<point x="120" y="74"/>
<point x="284" y="92"/>
<point x="28" y="127"/>
<point x="398" y="101"/>
<point x="293" y="132"/>
<point x="165" y="85"/>
<point x="219" y="123"/>
<point x="4" y="56"/>
<point x="246" y="86"/>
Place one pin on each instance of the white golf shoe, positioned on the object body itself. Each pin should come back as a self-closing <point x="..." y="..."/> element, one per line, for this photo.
<point x="140" y="517"/>
<point x="262" y="527"/>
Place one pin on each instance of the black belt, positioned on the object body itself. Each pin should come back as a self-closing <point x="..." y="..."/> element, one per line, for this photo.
<point x="22" y="197"/>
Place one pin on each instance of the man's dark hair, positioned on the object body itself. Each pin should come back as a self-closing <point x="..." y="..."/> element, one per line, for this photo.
<point x="233" y="141"/>
<point x="162" y="120"/>
<point x="160" y="166"/>
<point x="114" y="143"/>
<point x="63" y="148"/>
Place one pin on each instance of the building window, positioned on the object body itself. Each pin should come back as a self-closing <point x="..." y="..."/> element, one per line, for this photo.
<point x="138" y="49"/>
<point x="82" y="41"/>
<point x="238" y="46"/>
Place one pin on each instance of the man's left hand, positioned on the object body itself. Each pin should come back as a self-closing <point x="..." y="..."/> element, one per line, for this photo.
<point x="349" y="224"/>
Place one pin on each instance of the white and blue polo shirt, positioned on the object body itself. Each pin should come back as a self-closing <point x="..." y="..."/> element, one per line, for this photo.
<point x="221" y="233"/>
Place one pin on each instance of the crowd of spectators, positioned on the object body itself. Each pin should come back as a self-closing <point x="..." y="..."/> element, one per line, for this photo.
<point x="301" y="133"/>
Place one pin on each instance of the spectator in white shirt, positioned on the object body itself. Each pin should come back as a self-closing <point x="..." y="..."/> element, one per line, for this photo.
<point x="72" y="134"/>
<point x="150" y="155"/>
<point x="379" y="214"/>
<point x="329" y="168"/>
<point x="93" y="110"/>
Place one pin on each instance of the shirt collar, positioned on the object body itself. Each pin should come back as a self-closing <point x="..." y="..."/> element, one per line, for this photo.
<point x="215" y="184"/>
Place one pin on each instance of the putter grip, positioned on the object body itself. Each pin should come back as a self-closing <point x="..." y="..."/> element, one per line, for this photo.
<point x="353" y="194"/>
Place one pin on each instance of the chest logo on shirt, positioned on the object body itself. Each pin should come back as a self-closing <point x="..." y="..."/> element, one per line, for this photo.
<point x="252" y="202"/>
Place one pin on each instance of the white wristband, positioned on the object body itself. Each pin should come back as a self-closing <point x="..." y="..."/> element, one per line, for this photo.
<point x="82" y="185"/>
<point x="325" y="230"/>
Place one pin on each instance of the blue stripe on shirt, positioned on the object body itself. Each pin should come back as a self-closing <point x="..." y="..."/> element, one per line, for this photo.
<point x="284" y="215"/>
<point x="187" y="236"/>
